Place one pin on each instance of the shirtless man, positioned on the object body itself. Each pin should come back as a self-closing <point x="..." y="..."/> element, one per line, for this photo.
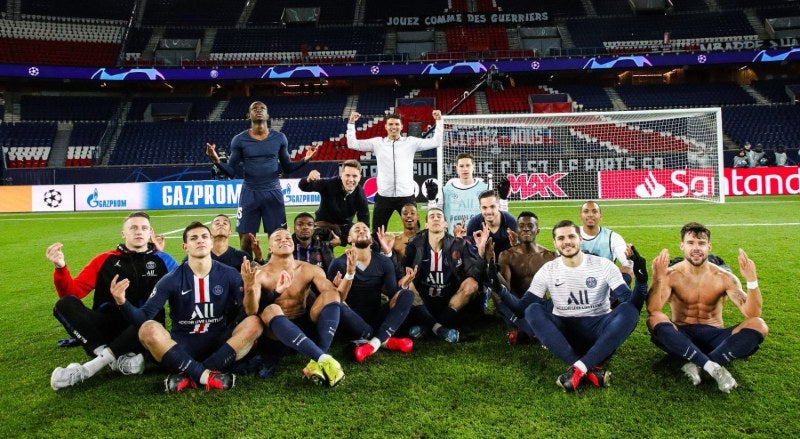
<point x="394" y="247"/>
<point x="517" y="265"/>
<point x="282" y="298"/>
<point x="695" y="290"/>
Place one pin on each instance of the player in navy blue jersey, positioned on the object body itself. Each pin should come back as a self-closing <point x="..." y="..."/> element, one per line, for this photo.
<point x="264" y="154"/>
<point x="292" y="311"/>
<point x="102" y="330"/>
<point x="580" y="328"/>
<point x="221" y="250"/>
<point x="205" y="298"/>
<point x="447" y="278"/>
<point x="500" y="224"/>
<point x="363" y="312"/>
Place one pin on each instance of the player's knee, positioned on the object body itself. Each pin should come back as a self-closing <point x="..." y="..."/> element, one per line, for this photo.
<point x="534" y="312"/>
<point x="252" y="327"/>
<point x="149" y="332"/>
<point x="654" y="321"/>
<point x="756" y="324"/>
<point x="66" y="304"/>
<point x="270" y="312"/>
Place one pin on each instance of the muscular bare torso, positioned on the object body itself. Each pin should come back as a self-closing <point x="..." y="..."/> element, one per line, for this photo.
<point x="518" y="265"/>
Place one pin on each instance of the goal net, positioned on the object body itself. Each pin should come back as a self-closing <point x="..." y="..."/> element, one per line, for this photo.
<point x="656" y="154"/>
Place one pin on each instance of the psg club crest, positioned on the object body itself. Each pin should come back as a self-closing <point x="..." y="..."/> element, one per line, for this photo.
<point x="591" y="282"/>
<point x="217" y="290"/>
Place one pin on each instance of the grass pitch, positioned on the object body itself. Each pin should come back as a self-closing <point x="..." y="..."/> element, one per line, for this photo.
<point x="479" y="388"/>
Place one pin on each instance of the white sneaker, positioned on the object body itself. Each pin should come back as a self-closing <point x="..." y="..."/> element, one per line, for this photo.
<point x="693" y="372"/>
<point x="63" y="377"/>
<point x="128" y="364"/>
<point x="724" y="379"/>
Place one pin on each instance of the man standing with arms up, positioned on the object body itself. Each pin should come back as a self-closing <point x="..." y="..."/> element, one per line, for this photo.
<point x="264" y="153"/>
<point x="395" y="157"/>
<point x="695" y="290"/>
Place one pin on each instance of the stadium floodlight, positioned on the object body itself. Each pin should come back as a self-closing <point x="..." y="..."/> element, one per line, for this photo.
<point x="655" y="154"/>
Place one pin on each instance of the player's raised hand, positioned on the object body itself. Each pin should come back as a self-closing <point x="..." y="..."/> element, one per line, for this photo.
<point x="55" y="255"/>
<point x="386" y="240"/>
<point x="311" y="151"/>
<point x="747" y="267"/>
<point x="250" y="272"/>
<point x="459" y="230"/>
<point x="354" y="116"/>
<point x="480" y="237"/>
<point x="313" y="176"/>
<point x="254" y="244"/>
<point x="513" y="238"/>
<point x="158" y="240"/>
<point x="660" y="264"/>
<point x="406" y="280"/>
<point x="211" y="152"/>
<point x="284" y="282"/>
<point x="118" y="289"/>
<point x="350" y="255"/>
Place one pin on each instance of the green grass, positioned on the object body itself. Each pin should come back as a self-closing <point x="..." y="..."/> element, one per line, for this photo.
<point x="479" y="388"/>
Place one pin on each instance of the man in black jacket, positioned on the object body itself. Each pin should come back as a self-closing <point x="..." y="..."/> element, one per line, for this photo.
<point x="447" y="277"/>
<point x="341" y="198"/>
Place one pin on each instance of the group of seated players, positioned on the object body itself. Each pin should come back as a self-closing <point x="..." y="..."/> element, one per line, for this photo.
<point x="230" y="315"/>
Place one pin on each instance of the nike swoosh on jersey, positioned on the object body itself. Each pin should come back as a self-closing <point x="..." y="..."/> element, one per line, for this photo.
<point x="559" y="284"/>
<point x="183" y="293"/>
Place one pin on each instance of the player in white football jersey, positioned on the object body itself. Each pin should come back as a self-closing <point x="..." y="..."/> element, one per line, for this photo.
<point x="582" y="329"/>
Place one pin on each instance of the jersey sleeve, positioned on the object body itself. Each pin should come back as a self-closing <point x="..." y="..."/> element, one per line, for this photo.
<point x="538" y="286"/>
<point x="618" y="247"/>
<point x="154" y="304"/>
<point x="81" y="285"/>
<point x="169" y="261"/>
<point x="435" y="141"/>
<point x="354" y="143"/>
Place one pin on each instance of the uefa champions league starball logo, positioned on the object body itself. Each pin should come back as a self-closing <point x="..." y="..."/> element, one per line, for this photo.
<point x="52" y="198"/>
<point x="535" y="65"/>
<point x="701" y="59"/>
<point x="374" y="70"/>
<point x="214" y="74"/>
<point x="33" y="71"/>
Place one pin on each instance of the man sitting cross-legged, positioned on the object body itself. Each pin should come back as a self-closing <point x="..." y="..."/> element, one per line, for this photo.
<point x="362" y="307"/>
<point x="205" y="298"/>
<point x="288" y="312"/>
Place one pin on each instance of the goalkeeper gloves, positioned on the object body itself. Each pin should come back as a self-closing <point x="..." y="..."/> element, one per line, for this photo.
<point x="431" y="189"/>
<point x="503" y="188"/>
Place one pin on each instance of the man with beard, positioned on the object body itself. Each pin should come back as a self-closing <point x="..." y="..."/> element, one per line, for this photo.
<point x="695" y="290"/>
<point x="518" y="265"/>
<point x="500" y="224"/>
<point x="264" y="154"/>
<point x="362" y="312"/>
<point x="341" y="198"/>
<point x="312" y="245"/>
<point x="581" y="330"/>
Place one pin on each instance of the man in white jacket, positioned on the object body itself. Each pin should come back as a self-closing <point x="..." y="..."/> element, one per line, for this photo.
<point x="395" y="157"/>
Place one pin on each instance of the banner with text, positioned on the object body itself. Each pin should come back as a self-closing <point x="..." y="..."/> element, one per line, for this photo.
<point x="468" y="18"/>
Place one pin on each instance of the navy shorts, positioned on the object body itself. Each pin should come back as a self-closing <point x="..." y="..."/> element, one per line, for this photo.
<point x="262" y="207"/>
<point x="705" y="337"/>
<point x="200" y="346"/>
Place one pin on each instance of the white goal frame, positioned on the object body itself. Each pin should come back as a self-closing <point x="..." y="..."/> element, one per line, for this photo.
<point x="511" y="144"/>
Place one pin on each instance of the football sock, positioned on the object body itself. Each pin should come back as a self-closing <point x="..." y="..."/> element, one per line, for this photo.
<point x="290" y="335"/>
<point x="327" y="324"/>
<point x="353" y="324"/>
<point x="448" y="316"/>
<point x="176" y="359"/>
<point x="424" y="315"/>
<point x="582" y="367"/>
<point x="396" y="315"/>
<point x="220" y="359"/>
<point x="739" y="345"/>
<point x="639" y="295"/>
<point x="627" y="278"/>
<point x="678" y="344"/>
<point x="375" y="343"/>
<point x="97" y="363"/>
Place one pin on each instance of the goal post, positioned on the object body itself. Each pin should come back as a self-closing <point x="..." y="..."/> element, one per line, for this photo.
<point x="643" y="154"/>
